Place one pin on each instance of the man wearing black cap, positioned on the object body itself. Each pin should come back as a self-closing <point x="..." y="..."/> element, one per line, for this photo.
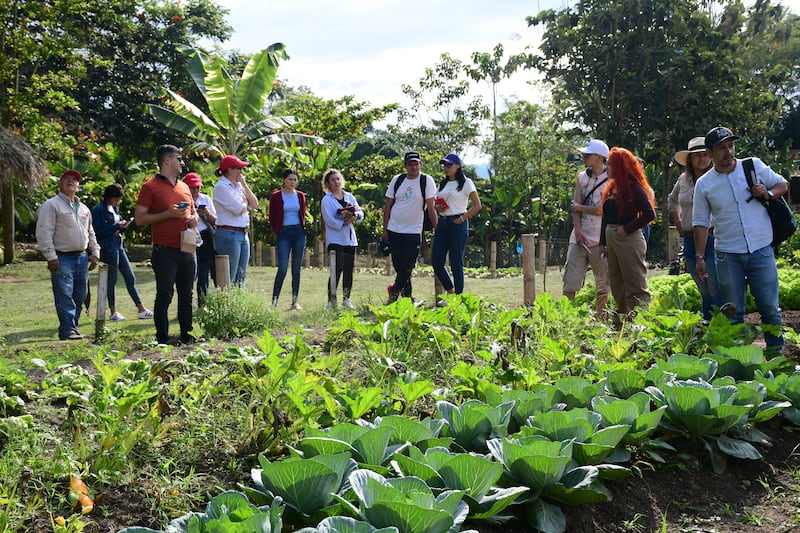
<point x="403" y="220"/>
<point x="743" y="231"/>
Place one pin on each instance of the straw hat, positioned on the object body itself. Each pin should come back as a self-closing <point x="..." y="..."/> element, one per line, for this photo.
<point x="696" y="145"/>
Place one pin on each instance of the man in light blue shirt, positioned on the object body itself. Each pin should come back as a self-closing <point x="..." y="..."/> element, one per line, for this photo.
<point x="744" y="255"/>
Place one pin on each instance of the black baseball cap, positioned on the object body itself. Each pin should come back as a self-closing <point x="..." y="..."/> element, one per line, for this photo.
<point x="412" y="156"/>
<point x="717" y="135"/>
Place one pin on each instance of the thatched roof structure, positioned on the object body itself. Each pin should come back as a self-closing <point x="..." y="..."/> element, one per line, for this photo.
<point x="19" y="161"/>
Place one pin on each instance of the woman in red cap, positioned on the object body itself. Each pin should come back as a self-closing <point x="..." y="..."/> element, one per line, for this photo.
<point x="234" y="200"/>
<point x="287" y="216"/>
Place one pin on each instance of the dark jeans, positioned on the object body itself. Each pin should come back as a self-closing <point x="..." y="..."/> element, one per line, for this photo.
<point x="450" y="239"/>
<point x="404" y="248"/>
<point x="205" y="266"/>
<point x="345" y="261"/>
<point x="172" y="268"/>
<point x="70" y="286"/>
<point x="118" y="262"/>
<point x="291" y="240"/>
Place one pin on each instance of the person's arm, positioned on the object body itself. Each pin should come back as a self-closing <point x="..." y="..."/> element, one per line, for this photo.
<point x="674" y="208"/>
<point x="252" y="201"/>
<point x="432" y="212"/>
<point x="474" y="208"/>
<point x="647" y="214"/>
<point x="144" y="217"/>
<point x="700" y="238"/>
<point x="94" y="248"/>
<point x="577" y="202"/>
<point x="45" y="228"/>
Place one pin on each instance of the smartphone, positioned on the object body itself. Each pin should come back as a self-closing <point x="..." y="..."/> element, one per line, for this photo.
<point x="183" y="205"/>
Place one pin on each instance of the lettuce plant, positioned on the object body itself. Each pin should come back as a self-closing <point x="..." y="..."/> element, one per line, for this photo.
<point x="783" y="387"/>
<point x="474" y="474"/>
<point x="231" y="512"/>
<point x="406" y="503"/>
<point x="474" y="422"/>
<point x="634" y="412"/>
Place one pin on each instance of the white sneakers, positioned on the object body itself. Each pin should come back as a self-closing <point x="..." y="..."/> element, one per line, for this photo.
<point x="347" y="305"/>
<point x="296" y="307"/>
<point x="145" y="314"/>
<point x="117" y="316"/>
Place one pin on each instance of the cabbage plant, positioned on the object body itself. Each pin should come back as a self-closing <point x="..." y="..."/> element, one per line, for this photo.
<point x="305" y="485"/>
<point x="230" y="511"/>
<point x="345" y="524"/>
<point x="701" y="411"/>
<point x="368" y="444"/>
<point x="406" y="503"/>
<point x="476" y="475"/>
<point x="783" y="387"/>
<point x="474" y="422"/>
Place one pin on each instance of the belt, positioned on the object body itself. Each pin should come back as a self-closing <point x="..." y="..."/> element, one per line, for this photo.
<point x="233" y="228"/>
<point x="76" y="252"/>
<point x="451" y="217"/>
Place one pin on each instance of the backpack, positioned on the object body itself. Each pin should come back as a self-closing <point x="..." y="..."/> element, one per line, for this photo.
<point x="427" y="225"/>
<point x="780" y="214"/>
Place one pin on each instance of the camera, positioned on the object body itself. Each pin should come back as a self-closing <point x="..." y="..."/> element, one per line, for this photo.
<point x="384" y="247"/>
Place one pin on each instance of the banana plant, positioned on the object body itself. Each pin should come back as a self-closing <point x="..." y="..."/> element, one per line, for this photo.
<point x="234" y="122"/>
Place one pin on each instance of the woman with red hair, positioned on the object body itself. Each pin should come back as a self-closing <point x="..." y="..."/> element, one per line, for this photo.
<point x="628" y="206"/>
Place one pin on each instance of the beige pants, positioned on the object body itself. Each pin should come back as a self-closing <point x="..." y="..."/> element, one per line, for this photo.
<point x="627" y="269"/>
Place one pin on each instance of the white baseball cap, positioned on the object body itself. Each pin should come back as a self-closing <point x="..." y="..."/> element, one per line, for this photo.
<point x="596" y="146"/>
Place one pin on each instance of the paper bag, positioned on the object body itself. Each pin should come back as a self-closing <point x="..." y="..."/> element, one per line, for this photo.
<point x="189" y="240"/>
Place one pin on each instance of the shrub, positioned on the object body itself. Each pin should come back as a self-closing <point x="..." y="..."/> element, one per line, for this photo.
<point x="234" y="312"/>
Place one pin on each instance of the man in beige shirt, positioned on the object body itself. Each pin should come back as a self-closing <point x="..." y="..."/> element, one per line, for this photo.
<point x="64" y="232"/>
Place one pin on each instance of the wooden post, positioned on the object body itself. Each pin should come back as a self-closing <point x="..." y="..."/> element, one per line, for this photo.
<point x="388" y="265"/>
<point x="673" y="243"/>
<point x="223" y="267"/>
<point x="332" y="284"/>
<point x="320" y="251"/>
<point x="438" y="288"/>
<point x="259" y="259"/>
<point x="273" y="261"/>
<point x="543" y="262"/>
<point x="528" y="269"/>
<point x="307" y="258"/>
<point x="102" y="299"/>
<point x="493" y="259"/>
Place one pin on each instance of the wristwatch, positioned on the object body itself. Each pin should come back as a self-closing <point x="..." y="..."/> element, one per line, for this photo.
<point x="771" y="194"/>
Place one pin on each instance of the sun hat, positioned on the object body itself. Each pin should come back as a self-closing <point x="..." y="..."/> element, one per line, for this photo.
<point x="717" y="135"/>
<point x="74" y="173"/>
<point x="228" y="162"/>
<point x="451" y="159"/>
<point x="696" y="145"/>
<point x="596" y="146"/>
<point x="192" y="179"/>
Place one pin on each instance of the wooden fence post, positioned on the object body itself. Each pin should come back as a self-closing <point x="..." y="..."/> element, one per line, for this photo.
<point x="528" y="269"/>
<point x="102" y="300"/>
<point x="223" y="268"/>
<point x="493" y="259"/>
<point x="332" y="284"/>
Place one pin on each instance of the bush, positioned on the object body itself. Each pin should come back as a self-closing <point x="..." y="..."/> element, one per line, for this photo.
<point x="235" y="312"/>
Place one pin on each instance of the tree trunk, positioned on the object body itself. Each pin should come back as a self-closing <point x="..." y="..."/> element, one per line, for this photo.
<point x="8" y="222"/>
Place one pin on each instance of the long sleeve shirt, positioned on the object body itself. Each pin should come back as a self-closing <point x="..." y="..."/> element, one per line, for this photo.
<point x="60" y="227"/>
<point x="336" y="231"/>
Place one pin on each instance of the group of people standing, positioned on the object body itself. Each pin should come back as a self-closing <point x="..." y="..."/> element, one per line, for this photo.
<point x="727" y="237"/>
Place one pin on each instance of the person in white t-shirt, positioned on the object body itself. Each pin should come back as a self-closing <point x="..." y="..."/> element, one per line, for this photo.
<point x="584" y="241"/>
<point x="455" y="192"/>
<point x="403" y="221"/>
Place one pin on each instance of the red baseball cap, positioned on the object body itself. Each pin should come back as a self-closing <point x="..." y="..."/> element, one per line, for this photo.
<point x="71" y="173"/>
<point x="231" y="161"/>
<point x="192" y="179"/>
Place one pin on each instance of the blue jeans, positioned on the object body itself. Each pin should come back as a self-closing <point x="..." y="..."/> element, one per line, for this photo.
<point x="174" y="271"/>
<point x="236" y="245"/>
<point x="118" y="262"/>
<point x="70" y="286"/>
<point x="404" y="248"/>
<point x="758" y="271"/>
<point x="450" y="239"/>
<point x="709" y="288"/>
<point x="205" y="266"/>
<point x="291" y="240"/>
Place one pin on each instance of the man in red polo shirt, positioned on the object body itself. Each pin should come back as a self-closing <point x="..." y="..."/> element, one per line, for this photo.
<point x="166" y="204"/>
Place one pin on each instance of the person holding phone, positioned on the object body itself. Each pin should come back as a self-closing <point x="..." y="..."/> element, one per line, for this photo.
<point x="456" y="191"/>
<point x="340" y="210"/>
<point x="166" y="204"/>
<point x="109" y="227"/>
<point x="233" y="200"/>
<point x="207" y="218"/>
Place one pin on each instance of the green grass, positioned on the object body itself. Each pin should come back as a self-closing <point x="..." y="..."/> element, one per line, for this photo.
<point x="27" y="312"/>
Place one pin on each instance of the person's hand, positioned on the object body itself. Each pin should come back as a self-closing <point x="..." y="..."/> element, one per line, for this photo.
<point x="580" y="238"/>
<point x="93" y="259"/>
<point x="575" y="207"/>
<point x="191" y="222"/>
<point x="177" y="212"/>
<point x="123" y="224"/>
<point x="620" y="231"/>
<point x="700" y="269"/>
<point x="679" y="227"/>
<point x="53" y="265"/>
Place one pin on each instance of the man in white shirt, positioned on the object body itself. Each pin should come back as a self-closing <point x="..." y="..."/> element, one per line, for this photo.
<point x="743" y="231"/>
<point x="403" y="221"/>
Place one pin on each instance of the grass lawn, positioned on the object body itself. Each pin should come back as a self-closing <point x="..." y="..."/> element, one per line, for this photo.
<point x="27" y="312"/>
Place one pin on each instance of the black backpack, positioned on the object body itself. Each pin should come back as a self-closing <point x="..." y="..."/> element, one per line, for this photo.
<point x="780" y="214"/>
<point x="427" y="225"/>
